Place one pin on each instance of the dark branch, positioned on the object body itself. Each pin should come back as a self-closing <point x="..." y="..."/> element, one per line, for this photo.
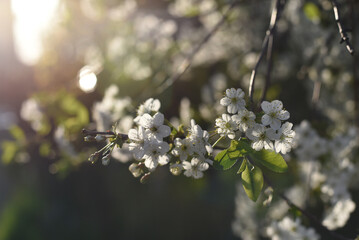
<point x="343" y="34"/>
<point x="279" y="5"/>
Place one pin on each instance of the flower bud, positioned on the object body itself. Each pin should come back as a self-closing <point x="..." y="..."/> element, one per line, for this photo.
<point x="106" y="160"/>
<point x="145" y="177"/>
<point x="135" y="170"/>
<point x="100" y="138"/>
<point x="176" y="169"/>
<point x="89" y="138"/>
<point x="93" y="157"/>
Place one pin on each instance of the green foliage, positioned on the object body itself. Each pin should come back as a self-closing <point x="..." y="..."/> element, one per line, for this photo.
<point x="228" y="157"/>
<point x="311" y="11"/>
<point x="17" y="133"/>
<point x="10" y="148"/>
<point x="269" y="159"/>
<point x="252" y="180"/>
<point x="243" y="166"/>
<point x="45" y="149"/>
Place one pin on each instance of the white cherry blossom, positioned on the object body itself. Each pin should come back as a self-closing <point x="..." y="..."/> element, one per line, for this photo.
<point x="233" y="100"/>
<point x="261" y="137"/>
<point x="149" y="106"/>
<point x="245" y="119"/>
<point x="156" y="154"/>
<point x="183" y="148"/>
<point x="137" y="145"/>
<point x="135" y="170"/>
<point x="274" y="114"/>
<point x="154" y="125"/>
<point x="226" y="126"/>
<point x="285" y="141"/>
<point x="195" y="168"/>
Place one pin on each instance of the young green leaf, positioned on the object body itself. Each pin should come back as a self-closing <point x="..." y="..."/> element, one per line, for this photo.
<point x="252" y="181"/>
<point x="228" y="157"/>
<point x="243" y="166"/>
<point x="271" y="160"/>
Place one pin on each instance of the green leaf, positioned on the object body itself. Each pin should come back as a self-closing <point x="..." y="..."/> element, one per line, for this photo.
<point x="9" y="151"/>
<point x="311" y="11"/>
<point x="17" y="133"/>
<point x="228" y="157"/>
<point x="252" y="181"/>
<point x="45" y="149"/>
<point x="243" y="166"/>
<point x="271" y="160"/>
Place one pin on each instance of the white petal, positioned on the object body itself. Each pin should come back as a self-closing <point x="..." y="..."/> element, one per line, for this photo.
<point x="268" y="144"/>
<point x="266" y="106"/>
<point x="232" y="108"/>
<point x="158" y="119"/>
<point x="257" y="145"/>
<point x="231" y="135"/>
<point x="151" y="164"/>
<point x="283" y="115"/>
<point x="187" y="165"/>
<point x="225" y="101"/>
<point x="132" y="134"/>
<point x="277" y="105"/>
<point x="146" y="121"/>
<point x="203" y="166"/>
<point x="163" y="159"/>
<point x="275" y="124"/>
<point x="138" y="155"/>
<point x="266" y="120"/>
<point x="164" y="131"/>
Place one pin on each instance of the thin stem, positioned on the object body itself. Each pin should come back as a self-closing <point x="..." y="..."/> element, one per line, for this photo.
<point x="355" y="65"/>
<point x="343" y="33"/>
<point x="279" y="5"/>
<point x="219" y="139"/>
<point x="311" y="217"/>
<point x="269" y="66"/>
<point x="187" y="62"/>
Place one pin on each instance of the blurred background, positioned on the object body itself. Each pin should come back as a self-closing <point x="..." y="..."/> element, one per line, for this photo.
<point x="67" y="65"/>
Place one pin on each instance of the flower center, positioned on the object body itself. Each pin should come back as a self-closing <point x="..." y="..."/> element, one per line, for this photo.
<point x="234" y="100"/>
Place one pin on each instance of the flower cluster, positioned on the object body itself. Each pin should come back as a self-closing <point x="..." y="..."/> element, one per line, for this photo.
<point x="152" y="145"/>
<point x="268" y="134"/>
<point x="289" y="229"/>
<point x="332" y="177"/>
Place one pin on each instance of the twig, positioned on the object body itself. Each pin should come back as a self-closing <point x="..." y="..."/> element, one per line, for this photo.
<point x="343" y="34"/>
<point x="187" y="62"/>
<point x="316" y="92"/>
<point x="311" y="217"/>
<point x="273" y="22"/>
<point x="355" y="66"/>
<point x="269" y="66"/>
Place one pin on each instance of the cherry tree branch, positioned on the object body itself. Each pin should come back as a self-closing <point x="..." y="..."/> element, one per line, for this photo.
<point x="187" y="62"/>
<point x="279" y="5"/>
<point x="343" y="33"/>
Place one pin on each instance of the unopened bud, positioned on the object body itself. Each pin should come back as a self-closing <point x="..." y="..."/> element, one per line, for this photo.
<point x="106" y="160"/>
<point x="145" y="177"/>
<point x="89" y="138"/>
<point x="135" y="170"/>
<point x="93" y="157"/>
<point x="100" y="138"/>
<point x="176" y="169"/>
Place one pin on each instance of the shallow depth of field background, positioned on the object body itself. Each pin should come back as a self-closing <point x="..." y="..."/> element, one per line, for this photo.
<point x="44" y="44"/>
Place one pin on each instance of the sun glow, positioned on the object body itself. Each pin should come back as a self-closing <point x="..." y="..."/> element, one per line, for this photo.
<point x="87" y="79"/>
<point x="31" y="19"/>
